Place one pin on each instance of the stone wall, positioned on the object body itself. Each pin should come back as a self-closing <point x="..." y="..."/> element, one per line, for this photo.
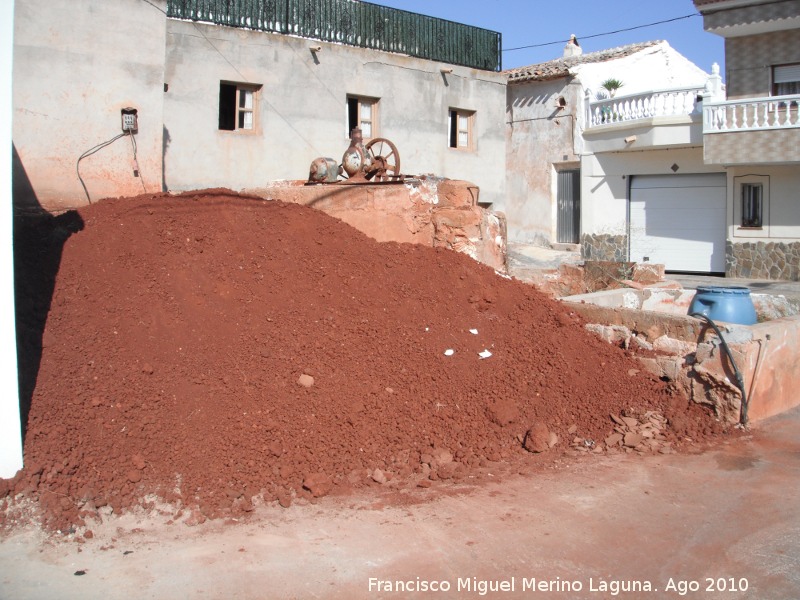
<point x="683" y="350"/>
<point x="604" y="247"/>
<point x="763" y="260"/>
<point x="433" y="211"/>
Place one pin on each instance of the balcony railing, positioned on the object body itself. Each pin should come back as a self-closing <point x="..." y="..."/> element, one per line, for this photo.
<point x="753" y="114"/>
<point x="353" y="23"/>
<point x="658" y="103"/>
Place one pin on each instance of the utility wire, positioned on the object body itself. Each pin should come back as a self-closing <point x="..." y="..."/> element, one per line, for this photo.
<point x="89" y="152"/>
<point x="136" y="162"/>
<point x="158" y="8"/>
<point x="586" y="37"/>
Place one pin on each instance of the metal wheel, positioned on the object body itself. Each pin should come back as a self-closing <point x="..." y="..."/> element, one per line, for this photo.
<point x="385" y="160"/>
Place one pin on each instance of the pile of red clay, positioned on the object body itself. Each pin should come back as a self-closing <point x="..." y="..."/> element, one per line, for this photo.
<point x="212" y="349"/>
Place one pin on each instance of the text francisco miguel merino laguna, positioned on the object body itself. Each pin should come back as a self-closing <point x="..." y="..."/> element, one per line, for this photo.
<point x="482" y="587"/>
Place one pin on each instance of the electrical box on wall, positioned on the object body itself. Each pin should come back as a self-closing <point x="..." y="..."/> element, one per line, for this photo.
<point x="130" y="120"/>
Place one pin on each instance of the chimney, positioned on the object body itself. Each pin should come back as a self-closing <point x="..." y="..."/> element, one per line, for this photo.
<point x="573" y="48"/>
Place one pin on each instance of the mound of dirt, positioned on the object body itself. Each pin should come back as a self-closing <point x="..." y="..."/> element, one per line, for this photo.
<point x="212" y="348"/>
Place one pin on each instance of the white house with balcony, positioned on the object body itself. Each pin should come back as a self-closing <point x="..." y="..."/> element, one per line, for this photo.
<point x="753" y="134"/>
<point x="605" y="155"/>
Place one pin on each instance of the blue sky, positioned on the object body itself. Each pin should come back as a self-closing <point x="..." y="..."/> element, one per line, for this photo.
<point x="528" y="22"/>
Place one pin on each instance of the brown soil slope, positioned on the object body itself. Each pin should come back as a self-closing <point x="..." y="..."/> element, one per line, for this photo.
<point x="180" y="327"/>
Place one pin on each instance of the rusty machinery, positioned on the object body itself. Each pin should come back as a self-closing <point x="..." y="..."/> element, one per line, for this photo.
<point x="378" y="160"/>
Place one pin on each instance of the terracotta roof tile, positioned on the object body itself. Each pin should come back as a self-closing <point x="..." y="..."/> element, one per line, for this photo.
<point x="560" y="67"/>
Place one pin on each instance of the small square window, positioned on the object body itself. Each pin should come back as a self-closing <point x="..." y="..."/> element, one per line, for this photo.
<point x="461" y="129"/>
<point x="752" y="205"/>
<point x="237" y="106"/>
<point x="362" y="112"/>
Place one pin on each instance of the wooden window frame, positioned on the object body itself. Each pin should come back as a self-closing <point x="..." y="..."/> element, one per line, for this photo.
<point x="233" y="109"/>
<point x="455" y="129"/>
<point x="356" y="117"/>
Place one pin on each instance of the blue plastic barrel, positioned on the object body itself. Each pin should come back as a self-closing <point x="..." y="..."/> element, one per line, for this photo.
<point x="728" y="304"/>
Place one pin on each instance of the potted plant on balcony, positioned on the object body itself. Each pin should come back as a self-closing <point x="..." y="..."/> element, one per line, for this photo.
<point x="611" y="86"/>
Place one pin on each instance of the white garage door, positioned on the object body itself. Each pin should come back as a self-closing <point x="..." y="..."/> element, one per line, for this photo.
<point x="679" y="221"/>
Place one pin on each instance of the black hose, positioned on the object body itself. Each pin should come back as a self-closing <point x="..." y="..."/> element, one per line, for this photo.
<point x="739" y="378"/>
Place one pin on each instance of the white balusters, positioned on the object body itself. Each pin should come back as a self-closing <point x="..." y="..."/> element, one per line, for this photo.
<point x="664" y="103"/>
<point x="753" y="114"/>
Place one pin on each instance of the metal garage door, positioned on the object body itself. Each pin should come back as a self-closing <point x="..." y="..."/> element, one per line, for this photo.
<point x="679" y="221"/>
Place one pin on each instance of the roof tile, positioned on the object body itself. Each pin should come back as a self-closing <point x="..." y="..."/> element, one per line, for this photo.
<point x="560" y="67"/>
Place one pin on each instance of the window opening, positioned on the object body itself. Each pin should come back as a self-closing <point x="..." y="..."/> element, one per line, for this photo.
<point x="461" y="135"/>
<point x="237" y="104"/>
<point x="786" y="82"/>
<point x="752" y="203"/>
<point x="362" y="112"/>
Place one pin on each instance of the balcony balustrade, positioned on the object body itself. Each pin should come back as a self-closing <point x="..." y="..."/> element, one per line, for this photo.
<point x="752" y="114"/>
<point x="657" y="103"/>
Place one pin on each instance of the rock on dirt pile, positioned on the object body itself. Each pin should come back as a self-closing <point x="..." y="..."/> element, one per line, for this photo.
<point x="211" y="348"/>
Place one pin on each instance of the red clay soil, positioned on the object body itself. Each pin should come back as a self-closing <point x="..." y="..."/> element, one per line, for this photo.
<point x="184" y="333"/>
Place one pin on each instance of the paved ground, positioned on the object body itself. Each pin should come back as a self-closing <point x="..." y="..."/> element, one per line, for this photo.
<point x="525" y="258"/>
<point x="726" y="518"/>
<point x="790" y="289"/>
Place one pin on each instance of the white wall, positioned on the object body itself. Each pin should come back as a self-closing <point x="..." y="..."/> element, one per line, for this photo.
<point x="657" y="67"/>
<point x="604" y="183"/>
<point x="302" y="109"/>
<point x="782" y="208"/>
<point x="10" y="429"/>
<point x="76" y="64"/>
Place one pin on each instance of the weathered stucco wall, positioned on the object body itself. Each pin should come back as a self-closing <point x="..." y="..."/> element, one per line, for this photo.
<point x="432" y="211"/>
<point x="76" y="64"/>
<point x="541" y="139"/>
<point x="301" y="111"/>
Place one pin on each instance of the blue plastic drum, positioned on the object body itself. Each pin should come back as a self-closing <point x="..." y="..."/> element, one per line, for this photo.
<point x="728" y="304"/>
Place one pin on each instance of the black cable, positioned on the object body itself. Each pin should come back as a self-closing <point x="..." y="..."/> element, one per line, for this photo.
<point x="739" y="378"/>
<point x="587" y="37"/>
<point x="89" y="153"/>
<point x="136" y="162"/>
<point x="158" y="8"/>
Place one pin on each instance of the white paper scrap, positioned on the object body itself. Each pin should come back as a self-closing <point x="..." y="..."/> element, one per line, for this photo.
<point x="484" y="354"/>
<point x="449" y="352"/>
<point x="473" y="331"/>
